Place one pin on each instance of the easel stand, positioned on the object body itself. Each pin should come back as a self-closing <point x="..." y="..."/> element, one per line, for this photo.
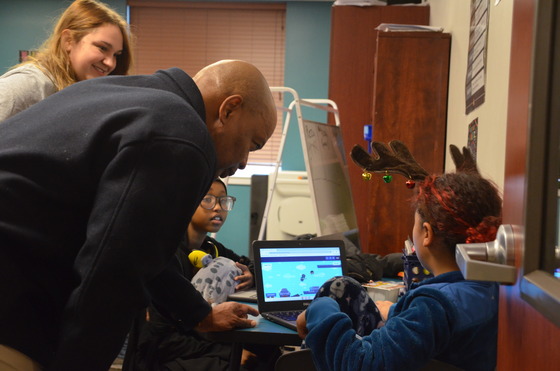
<point x="326" y="105"/>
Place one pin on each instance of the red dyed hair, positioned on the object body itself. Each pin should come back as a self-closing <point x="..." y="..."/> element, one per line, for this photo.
<point x="460" y="207"/>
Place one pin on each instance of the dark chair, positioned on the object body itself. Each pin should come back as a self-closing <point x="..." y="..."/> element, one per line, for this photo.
<point x="295" y="360"/>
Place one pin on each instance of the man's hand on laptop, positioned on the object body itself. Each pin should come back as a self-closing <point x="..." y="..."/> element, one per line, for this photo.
<point x="227" y="316"/>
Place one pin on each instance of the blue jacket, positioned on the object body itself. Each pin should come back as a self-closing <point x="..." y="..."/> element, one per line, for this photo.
<point x="98" y="183"/>
<point x="446" y="317"/>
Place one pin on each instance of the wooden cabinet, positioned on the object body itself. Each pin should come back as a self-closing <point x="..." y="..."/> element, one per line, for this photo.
<point x="396" y="81"/>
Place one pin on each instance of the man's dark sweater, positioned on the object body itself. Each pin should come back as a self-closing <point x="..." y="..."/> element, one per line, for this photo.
<point x="97" y="184"/>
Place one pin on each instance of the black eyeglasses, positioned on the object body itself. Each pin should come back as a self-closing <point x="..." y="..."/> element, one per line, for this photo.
<point x="226" y="202"/>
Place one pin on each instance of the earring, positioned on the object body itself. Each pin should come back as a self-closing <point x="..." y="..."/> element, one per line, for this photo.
<point x="387" y="178"/>
<point x="366" y="176"/>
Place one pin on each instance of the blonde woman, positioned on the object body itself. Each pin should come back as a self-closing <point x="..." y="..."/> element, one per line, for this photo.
<point x="89" y="40"/>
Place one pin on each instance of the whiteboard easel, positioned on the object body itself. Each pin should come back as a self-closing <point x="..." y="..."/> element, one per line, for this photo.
<point x="321" y="104"/>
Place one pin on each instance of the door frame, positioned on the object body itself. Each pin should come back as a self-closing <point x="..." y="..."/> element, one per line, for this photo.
<point x="527" y="338"/>
<point x="537" y="286"/>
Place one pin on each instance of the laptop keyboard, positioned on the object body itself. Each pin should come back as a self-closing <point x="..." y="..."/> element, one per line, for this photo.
<point x="288" y="315"/>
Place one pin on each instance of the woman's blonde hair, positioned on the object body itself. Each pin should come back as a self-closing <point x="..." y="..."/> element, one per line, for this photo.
<point x="80" y="18"/>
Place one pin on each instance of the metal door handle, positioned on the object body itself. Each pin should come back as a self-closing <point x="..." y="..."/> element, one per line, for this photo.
<point x="489" y="261"/>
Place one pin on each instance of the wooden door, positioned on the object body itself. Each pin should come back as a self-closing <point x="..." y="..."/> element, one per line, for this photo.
<point x="410" y="105"/>
<point x="527" y="339"/>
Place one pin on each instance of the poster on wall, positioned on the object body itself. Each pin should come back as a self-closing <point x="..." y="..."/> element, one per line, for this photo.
<point x="476" y="64"/>
<point x="473" y="137"/>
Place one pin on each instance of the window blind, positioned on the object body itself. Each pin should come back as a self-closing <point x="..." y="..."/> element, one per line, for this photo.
<point x="192" y="35"/>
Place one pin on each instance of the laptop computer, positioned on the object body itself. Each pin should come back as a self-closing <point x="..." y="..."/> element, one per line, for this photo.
<point x="249" y="296"/>
<point x="289" y="273"/>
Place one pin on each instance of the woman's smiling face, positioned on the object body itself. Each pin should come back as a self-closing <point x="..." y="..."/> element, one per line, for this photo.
<point x="95" y="55"/>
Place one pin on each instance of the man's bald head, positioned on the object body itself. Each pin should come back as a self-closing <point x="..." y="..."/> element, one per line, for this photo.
<point x="240" y="110"/>
<point x="230" y="77"/>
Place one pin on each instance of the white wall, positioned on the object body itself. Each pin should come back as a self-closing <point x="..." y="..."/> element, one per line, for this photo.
<point x="454" y="17"/>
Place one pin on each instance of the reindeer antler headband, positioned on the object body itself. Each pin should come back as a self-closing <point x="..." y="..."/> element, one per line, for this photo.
<point x="399" y="160"/>
<point x="464" y="162"/>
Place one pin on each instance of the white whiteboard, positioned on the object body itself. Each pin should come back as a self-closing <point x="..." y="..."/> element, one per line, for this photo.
<point x="327" y="170"/>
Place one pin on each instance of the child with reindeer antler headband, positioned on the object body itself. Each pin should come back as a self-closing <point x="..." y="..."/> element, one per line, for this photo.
<point x="445" y="318"/>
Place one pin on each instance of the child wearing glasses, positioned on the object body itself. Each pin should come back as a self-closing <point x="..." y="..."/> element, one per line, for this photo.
<point x="157" y="342"/>
<point x="219" y="270"/>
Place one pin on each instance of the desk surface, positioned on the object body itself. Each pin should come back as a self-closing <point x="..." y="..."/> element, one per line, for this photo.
<point x="265" y="332"/>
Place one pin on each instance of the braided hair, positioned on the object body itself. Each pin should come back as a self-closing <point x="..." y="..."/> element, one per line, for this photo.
<point x="461" y="207"/>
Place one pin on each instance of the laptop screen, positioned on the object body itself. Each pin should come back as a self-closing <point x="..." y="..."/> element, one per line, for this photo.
<point x="297" y="273"/>
<point x="289" y="271"/>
